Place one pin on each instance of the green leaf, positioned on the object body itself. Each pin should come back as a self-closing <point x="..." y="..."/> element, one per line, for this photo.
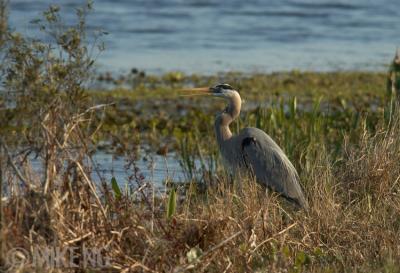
<point x="286" y="251"/>
<point x="171" y="203"/>
<point x="293" y="107"/>
<point x="302" y="259"/>
<point x="116" y="189"/>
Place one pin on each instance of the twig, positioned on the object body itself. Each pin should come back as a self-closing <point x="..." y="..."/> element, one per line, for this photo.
<point x="1" y="206"/>
<point x="273" y="236"/>
<point x="92" y="188"/>
<point x="10" y="161"/>
<point x="83" y="237"/>
<point x="136" y="265"/>
<point x="221" y="244"/>
<point x="93" y="108"/>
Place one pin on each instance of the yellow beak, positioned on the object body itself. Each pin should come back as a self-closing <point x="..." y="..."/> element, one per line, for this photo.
<point x="198" y="91"/>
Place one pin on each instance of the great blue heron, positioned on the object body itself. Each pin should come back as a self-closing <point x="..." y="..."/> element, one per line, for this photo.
<point x="252" y="149"/>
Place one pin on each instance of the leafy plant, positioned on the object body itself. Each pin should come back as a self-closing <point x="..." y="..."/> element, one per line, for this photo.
<point x="116" y="189"/>
<point x="171" y="207"/>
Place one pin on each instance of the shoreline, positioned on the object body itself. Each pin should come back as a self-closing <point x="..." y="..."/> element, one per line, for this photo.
<point x="140" y="102"/>
<point x="117" y="74"/>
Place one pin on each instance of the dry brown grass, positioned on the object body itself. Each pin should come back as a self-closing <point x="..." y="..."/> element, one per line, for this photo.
<point x="352" y="225"/>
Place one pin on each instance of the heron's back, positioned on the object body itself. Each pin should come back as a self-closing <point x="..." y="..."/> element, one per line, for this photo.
<point x="257" y="151"/>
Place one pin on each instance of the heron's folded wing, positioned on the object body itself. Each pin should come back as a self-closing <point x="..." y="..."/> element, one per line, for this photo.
<point x="272" y="168"/>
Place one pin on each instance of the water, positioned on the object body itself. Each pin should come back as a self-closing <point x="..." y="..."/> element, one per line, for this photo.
<point x="208" y="36"/>
<point x="157" y="169"/>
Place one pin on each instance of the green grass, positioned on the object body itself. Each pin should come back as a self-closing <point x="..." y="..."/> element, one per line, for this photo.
<point x="294" y="108"/>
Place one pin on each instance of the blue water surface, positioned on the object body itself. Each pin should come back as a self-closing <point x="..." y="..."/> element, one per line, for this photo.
<point x="209" y="36"/>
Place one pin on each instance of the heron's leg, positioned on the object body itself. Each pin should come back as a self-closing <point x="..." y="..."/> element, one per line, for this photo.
<point x="231" y="179"/>
<point x="238" y="179"/>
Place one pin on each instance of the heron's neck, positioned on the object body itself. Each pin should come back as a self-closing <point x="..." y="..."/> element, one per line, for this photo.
<point x="223" y="120"/>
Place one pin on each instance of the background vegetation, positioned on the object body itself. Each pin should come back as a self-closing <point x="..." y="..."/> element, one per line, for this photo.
<point x="340" y="129"/>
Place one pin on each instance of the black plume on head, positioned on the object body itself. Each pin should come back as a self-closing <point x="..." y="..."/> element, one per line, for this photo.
<point x="224" y="86"/>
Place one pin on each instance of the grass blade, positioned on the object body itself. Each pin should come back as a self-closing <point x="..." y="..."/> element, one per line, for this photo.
<point x="171" y="203"/>
<point x="116" y="189"/>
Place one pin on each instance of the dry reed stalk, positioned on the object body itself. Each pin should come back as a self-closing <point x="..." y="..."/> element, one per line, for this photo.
<point x="1" y="206"/>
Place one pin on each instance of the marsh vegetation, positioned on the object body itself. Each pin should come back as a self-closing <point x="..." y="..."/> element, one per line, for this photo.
<point x="340" y="129"/>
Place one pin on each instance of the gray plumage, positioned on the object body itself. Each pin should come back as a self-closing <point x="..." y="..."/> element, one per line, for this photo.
<point x="253" y="150"/>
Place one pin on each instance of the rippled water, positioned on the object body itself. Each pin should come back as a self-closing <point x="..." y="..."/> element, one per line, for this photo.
<point x="210" y="35"/>
<point x="157" y="169"/>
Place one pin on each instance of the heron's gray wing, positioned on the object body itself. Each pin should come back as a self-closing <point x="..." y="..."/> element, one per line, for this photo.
<point x="270" y="165"/>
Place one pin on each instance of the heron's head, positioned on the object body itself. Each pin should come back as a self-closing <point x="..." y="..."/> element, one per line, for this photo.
<point x="221" y="90"/>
